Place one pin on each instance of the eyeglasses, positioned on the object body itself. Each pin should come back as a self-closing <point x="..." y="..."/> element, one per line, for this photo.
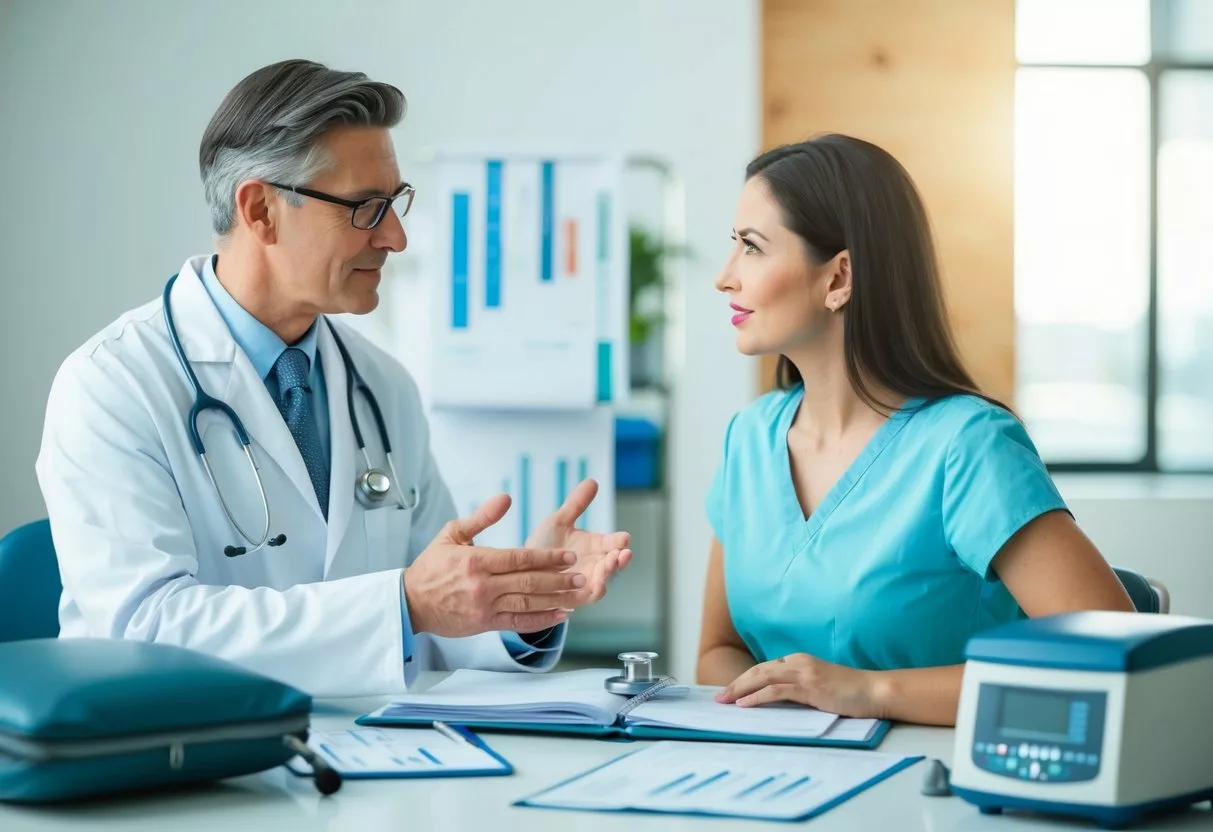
<point x="365" y="214"/>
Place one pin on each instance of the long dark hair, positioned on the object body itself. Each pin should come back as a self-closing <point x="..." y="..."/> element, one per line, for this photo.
<point x="837" y="192"/>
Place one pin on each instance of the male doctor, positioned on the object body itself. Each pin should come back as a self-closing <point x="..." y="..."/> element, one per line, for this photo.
<point x="337" y="598"/>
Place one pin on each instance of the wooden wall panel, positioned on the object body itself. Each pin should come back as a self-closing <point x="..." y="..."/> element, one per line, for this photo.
<point x="932" y="82"/>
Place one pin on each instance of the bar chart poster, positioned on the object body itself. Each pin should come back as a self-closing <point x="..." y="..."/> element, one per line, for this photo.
<point x="536" y="458"/>
<point x="530" y="283"/>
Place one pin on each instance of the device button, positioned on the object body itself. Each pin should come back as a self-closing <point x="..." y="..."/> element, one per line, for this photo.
<point x="1068" y="756"/>
<point x="1002" y="749"/>
<point x="1055" y="754"/>
<point x="1034" y="770"/>
<point x="1023" y="750"/>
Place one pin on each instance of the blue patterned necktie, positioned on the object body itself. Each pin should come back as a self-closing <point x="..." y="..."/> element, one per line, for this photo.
<point x="291" y="369"/>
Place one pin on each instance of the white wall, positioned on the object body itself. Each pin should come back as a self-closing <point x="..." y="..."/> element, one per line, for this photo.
<point x="104" y="105"/>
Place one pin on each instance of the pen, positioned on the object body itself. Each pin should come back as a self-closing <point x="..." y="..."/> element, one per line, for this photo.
<point x="451" y="734"/>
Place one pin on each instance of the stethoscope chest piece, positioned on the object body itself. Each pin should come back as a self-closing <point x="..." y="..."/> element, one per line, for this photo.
<point x="637" y="676"/>
<point x="372" y="488"/>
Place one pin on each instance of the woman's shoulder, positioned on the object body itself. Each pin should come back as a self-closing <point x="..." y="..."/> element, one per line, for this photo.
<point x="964" y="419"/>
<point x="763" y="416"/>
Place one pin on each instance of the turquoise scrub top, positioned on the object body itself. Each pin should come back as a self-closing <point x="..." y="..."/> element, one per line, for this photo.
<point x="892" y="570"/>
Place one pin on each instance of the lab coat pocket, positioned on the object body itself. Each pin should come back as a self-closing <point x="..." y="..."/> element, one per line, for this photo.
<point x="387" y="537"/>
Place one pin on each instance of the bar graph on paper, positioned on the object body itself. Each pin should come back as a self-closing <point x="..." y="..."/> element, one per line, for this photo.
<point x="538" y="459"/>
<point x="531" y="284"/>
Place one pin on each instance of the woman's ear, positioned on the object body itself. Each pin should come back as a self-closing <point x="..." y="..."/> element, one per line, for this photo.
<point x="838" y="290"/>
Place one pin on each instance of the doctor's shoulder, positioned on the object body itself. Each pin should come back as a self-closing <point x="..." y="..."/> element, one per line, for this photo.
<point x="118" y="352"/>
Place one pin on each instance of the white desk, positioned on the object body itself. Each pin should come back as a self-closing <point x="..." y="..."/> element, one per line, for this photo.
<point x="278" y="800"/>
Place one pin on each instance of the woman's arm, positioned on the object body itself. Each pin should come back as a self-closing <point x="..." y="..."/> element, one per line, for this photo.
<point x="1049" y="567"/>
<point x="723" y="656"/>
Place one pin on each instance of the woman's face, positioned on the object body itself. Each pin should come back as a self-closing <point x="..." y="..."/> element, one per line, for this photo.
<point x="780" y="299"/>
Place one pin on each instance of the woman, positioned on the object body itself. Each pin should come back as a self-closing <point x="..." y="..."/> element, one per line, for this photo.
<point x="876" y="510"/>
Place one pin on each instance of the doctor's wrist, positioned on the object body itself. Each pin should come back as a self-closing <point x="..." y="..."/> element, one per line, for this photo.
<point x="418" y="614"/>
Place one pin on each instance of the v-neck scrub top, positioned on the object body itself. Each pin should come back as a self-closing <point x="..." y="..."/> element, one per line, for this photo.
<point x="892" y="570"/>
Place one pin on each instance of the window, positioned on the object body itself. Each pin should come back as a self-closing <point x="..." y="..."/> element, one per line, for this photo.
<point x="1114" y="232"/>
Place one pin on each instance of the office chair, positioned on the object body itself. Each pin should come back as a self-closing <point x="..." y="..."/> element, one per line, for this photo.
<point x="29" y="583"/>
<point x="1147" y="595"/>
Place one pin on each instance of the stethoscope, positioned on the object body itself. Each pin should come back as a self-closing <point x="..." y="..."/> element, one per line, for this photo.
<point x="372" y="485"/>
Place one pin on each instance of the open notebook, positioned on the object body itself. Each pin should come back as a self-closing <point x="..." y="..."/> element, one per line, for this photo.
<point x="577" y="703"/>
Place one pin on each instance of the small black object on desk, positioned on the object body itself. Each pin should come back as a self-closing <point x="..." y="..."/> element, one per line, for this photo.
<point x="936" y="781"/>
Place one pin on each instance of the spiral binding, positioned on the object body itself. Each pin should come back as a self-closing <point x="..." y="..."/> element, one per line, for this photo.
<point x="649" y="692"/>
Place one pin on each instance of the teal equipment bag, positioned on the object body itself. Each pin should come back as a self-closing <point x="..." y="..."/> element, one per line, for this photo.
<point x="89" y="717"/>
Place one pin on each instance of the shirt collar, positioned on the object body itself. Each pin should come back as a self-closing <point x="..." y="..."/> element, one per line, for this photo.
<point x="259" y="342"/>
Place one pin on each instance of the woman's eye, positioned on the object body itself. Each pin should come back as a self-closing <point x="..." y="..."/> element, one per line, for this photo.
<point x="750" y="248"/>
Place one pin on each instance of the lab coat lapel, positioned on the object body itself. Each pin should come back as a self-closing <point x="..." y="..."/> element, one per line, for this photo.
<point x="343" y="455"/>
<point x="207" y="340"/>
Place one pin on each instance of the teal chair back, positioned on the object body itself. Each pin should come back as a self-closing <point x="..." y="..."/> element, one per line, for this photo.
<point x="1146" y="595"/>
<point x="29" y="583"/>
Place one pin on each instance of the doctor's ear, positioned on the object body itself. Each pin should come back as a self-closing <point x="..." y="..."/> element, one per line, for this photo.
<point x="257" y="207"/>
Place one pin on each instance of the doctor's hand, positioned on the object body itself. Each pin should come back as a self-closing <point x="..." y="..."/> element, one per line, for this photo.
<point x="455" y="588"/>
<point x="599" y="555"/>
<point x="802" y="678"/>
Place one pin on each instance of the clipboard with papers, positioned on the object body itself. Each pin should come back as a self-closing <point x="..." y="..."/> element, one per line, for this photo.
<point x="717" y="780"/>
<point x="576" y="702"/>
<point x="374" y="754"/>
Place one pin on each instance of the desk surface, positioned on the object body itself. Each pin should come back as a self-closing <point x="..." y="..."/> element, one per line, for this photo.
<point x="278" y="800"/>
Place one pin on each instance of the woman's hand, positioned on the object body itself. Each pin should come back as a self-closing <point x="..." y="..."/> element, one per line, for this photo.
<point x="809" y="681"/>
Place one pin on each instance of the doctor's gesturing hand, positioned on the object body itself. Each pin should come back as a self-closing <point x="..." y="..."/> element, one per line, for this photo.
<point x="456" y="588"/>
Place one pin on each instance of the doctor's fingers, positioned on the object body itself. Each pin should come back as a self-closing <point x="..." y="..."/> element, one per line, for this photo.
<point x="528" y="622"/>
<point x="539" y="602"/>
<point x="463" y="530"/>
<point x="534" y="583"/>
<point x="507" y="561"/>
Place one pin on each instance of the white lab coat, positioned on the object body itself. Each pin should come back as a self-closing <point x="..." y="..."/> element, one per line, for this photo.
<point x="140" y="533"/>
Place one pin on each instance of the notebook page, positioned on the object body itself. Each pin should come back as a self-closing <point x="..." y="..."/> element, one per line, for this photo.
<point x="484" y="696"/>
<point x="699" y="710"/>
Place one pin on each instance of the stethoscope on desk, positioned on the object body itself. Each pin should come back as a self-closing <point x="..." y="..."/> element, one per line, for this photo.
<point x="372" y="486"/>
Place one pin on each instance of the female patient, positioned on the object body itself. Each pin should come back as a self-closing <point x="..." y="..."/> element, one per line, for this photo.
<point x="875" y="511"/>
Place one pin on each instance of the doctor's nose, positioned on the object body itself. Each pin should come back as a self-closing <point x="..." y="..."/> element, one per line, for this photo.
<point x="389" y="233"/>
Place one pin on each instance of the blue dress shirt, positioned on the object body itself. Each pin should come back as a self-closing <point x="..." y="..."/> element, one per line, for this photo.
<point x="263" y="346"/>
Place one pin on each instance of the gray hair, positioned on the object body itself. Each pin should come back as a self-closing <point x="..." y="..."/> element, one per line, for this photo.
<point x="270" y="125"/>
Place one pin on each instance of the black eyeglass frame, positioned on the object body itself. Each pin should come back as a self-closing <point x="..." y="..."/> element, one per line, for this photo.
<point x="385" y="202"/>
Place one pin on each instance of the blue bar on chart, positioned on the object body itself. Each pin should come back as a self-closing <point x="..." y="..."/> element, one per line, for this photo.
<point x="562" y="481"/>
<point x="460" y="209"/>
<point x="524" y="497"/>
<point x="492" y="235"/>
<point x="602" y="273"/>
<point x="547" y="235"/>
<point x="583" y="471"/>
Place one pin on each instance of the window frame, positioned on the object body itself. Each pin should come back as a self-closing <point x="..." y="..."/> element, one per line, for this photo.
<point x="1154" y="70"/>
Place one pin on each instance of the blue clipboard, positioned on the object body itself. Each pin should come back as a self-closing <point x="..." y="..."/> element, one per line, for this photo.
<point x="638" y="732"/>
<point x="530" y="801"/>
<point x="421" y="762"/>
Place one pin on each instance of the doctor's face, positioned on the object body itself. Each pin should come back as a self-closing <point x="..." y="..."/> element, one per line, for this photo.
<point x="777" y="293"/>
<point x="323" y="262"/>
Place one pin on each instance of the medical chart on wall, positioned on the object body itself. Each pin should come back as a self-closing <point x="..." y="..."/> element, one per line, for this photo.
<point x="527" y="279"/>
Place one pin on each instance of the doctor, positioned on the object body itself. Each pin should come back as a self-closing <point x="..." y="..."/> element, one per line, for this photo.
<point x="333" y="565"/>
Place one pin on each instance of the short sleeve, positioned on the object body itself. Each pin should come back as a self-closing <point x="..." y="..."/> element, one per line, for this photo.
<point x="714" y="502"/>
<point x="995" y="483"/>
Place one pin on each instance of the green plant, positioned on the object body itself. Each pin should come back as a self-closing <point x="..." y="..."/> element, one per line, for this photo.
<point x="646" y="269"/>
